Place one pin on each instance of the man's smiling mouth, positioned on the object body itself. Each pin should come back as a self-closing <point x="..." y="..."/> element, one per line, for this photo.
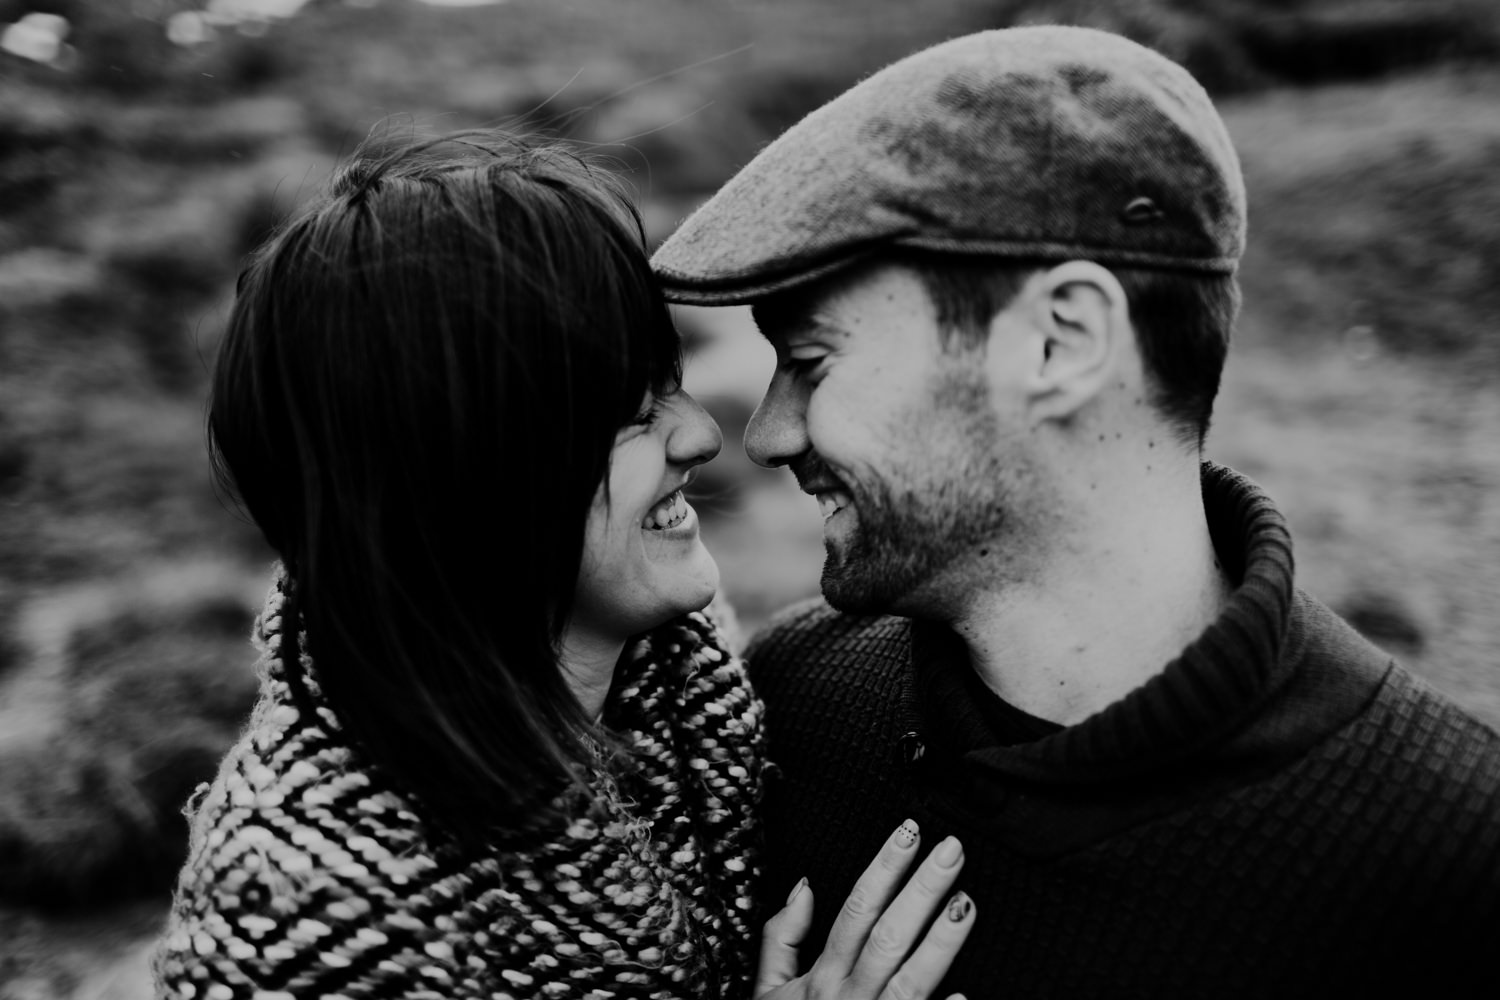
<point x="830" y="502"/>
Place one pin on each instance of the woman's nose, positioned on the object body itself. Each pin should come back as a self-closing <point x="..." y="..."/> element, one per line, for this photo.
<point x="696" y="438"/>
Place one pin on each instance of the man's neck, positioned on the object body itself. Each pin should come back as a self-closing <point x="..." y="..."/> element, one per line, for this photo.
<point x="1107" y="610"/>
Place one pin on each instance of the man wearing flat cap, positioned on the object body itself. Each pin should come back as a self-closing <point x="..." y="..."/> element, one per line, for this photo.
<point x="999" y="277"/>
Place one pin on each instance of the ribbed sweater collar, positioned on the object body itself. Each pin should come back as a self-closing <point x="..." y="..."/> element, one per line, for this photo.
<point x="1199" y="699"/>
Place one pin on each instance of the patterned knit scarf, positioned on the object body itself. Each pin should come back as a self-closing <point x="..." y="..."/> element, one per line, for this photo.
<point x="309" y="874"/>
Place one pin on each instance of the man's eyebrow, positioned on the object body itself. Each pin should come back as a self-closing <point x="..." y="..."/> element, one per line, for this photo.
<point x="781" y="325"/>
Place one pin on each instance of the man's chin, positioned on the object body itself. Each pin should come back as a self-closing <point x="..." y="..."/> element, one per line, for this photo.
<point x="848" y="589"/>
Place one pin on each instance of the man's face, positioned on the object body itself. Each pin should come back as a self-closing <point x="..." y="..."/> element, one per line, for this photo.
<point x="909" y="449"/>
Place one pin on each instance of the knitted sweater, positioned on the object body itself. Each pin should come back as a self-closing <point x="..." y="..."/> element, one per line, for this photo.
<point x="1281" y="812"/>
<point x="310" y="874"/>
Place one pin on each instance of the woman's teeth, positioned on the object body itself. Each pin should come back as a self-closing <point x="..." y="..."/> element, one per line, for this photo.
<point x="668" y="514"/>
<point x="832" y="502"/>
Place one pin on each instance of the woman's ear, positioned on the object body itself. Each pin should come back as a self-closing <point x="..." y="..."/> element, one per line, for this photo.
<point x="1082" y="326"/>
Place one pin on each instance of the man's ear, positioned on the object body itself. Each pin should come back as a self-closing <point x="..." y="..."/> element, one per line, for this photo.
<point x="1082" y="325"/>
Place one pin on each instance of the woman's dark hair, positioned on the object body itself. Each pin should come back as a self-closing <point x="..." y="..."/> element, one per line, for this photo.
<point x="416" y="399"/>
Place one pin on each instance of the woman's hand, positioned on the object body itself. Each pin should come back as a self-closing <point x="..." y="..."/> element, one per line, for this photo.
<point x="873" y="952"/>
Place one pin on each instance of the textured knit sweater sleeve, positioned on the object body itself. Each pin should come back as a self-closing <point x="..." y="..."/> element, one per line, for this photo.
<point x="310" y="874"/>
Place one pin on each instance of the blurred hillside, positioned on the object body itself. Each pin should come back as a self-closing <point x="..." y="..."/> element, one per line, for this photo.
<point x="136" y="171"/>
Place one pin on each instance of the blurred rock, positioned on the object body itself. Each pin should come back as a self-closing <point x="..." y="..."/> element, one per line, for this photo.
<point x="1358" y="39"/>
<point x="46" y="278"/>
<point x="126" y="697"/>
<point x="10" y="643"/>
<point x="1243" y="45"/>
<point x="1378" y="211"/>
<point x="118" y="47"/>
<point x="38" y="37"/>
<point x="127" y="977"/>
<point x="40" y="133"/>
<point x="103" y="955"/>
<point x="1386" y="621"/>
<point x="654" y="133"/>
<point x="227" y="129"/>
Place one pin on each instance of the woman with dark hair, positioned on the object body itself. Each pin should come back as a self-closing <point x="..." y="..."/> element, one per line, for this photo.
<point x="499" y="751"/>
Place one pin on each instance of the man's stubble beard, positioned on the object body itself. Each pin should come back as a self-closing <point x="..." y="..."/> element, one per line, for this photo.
<point x="896" y="553"/>
<point x="906" y="547"/>
<point x="889" y="552"/>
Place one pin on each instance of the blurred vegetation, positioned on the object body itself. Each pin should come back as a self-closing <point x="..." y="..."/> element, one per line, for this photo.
<point x="136" y="173"/>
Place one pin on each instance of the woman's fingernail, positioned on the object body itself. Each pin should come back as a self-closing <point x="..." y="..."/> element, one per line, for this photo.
<point x="947" y="853"/>
<point x="959" y="906"/>
<point x="796" y="890"/>
<point x="906" y="833"/>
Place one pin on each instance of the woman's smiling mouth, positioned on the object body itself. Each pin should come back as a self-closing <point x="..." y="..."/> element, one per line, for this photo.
<point x="669" y="512"/>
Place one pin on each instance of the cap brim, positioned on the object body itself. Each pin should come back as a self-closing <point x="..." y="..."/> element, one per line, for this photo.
<point x="746" y="290"/>
<point x="693" y="290"/>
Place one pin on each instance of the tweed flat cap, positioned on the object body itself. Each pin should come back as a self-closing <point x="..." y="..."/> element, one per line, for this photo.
<point x="1048" y="143"/>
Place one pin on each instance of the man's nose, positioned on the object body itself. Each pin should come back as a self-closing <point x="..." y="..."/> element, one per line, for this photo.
<point x="777" y="431"/>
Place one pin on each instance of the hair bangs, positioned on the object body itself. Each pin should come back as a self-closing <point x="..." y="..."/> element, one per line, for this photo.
<point x="632" y="324"/>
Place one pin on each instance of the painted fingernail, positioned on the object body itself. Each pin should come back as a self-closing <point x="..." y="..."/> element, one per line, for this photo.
<point x="947" y="853"/>
<point x="906" y="833"/>
<point x="959" y="906"/>
<point x="796" y="890"/>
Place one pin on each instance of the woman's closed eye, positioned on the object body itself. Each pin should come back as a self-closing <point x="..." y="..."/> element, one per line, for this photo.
<point x="651" y="408"/>
<point x="647" y="416"/>
<point x="653" y="405"/>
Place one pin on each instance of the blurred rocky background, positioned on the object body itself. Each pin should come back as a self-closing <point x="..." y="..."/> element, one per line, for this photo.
<point x="147" y="145"/>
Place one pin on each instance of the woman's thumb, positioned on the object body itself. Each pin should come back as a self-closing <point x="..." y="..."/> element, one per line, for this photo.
<point x="783" y="935"/>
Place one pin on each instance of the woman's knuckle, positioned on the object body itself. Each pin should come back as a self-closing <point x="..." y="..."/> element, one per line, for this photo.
<point x="885" y="942"/>
<point x="858" y="903"/>
<point x="901" y="988"/>
<point x="819" y="984"/>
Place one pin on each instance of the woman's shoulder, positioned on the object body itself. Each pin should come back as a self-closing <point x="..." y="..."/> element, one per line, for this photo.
<point x="293" y="791"/>
<point x="309" y="876"/>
